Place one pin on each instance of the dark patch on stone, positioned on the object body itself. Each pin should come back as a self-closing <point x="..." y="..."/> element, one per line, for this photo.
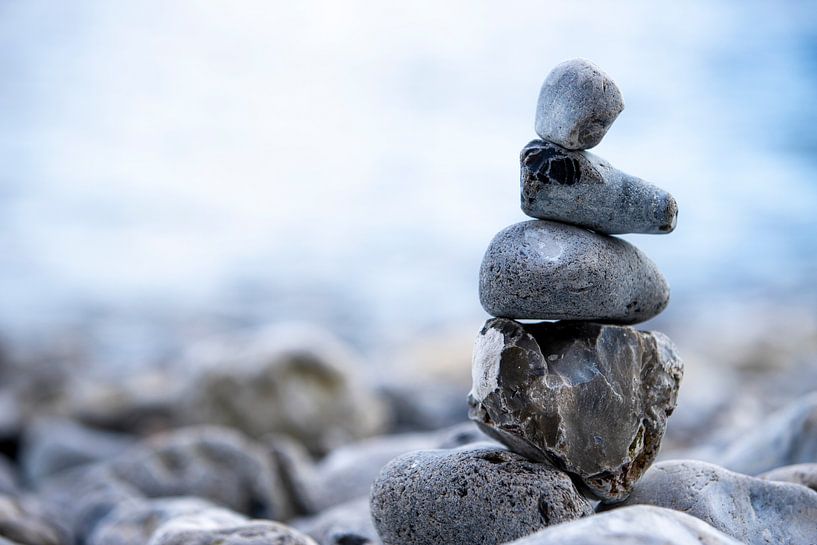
<point x="548" y="163"/>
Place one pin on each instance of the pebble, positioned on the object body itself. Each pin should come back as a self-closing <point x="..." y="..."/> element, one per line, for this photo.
<point x="217" y="464"/>
<point x="753" y="511"/>
<point x="474" y="495"/>
<point x="577" y="104"/>
<point x="348" y="472"/>
<point x="637" y="525"/>
<point x="551" y="271"/>
<point x="135" y="523"/>
<point x="803" y="474"/>
<point x="287" y="379"/>
<point x="51" y="445"/>
<point x="349" y="523"/>
<point x="8" y="477"/>
<point x="592" y="399"/>
<point x="254" y="532"/>
<point x="23" y="521"/>
<point x="582" y="189"/>
<point x="786" y="437"/>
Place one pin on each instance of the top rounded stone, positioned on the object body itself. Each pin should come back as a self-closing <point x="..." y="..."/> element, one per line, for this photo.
<point x="577" y="104"/>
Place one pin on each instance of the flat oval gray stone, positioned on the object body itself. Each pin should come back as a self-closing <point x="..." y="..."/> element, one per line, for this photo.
<point x="637" y="525"/>
<point x="473" y="495"/>
<point x="753" y="511"/>
<point x="582" y="189"/>
<point x="577" y="104"/>
<point x="253" y="532"/>
<point x="591" y="399"/>
<point x="545" y="270"/>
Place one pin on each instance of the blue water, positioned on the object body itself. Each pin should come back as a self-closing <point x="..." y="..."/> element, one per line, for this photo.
<point x="173" y="168"/>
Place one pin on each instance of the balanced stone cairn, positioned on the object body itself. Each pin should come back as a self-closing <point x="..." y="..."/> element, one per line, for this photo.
<point x="586" y="394"/>
<point x="581" y="404"/>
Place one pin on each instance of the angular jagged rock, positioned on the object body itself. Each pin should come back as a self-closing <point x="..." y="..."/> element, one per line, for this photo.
<point x="349" y="523"/>
<point x="577" y="104"/>
<point x="253" y="532"/>
<point x="543" y="270"/>
<point x="582" y="189"/>
<point x="804" y="474"/>
<point x="473" y="495"/>
<point x="214" y="463"/>
<point x="637" y="525"/>
<point x="592" y="399"/>
<point x="134" y="523"/>
<point x="753" y="511"/>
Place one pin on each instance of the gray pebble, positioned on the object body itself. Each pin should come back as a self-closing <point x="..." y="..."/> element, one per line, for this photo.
<point x="23" y="521"/>
<point x="474" y="495"/>
<point x="582" y="189"/>
<point x="349" y="523"/>
<point x="214" y="463"/>
<point x="803" y="474"/>
<point x="577" y="104"/>
<point x="51" y="445"/>
<point x="592" y="399"/>
<point x="637" y="525"/>
<point x="348" y="472"/>
<point x="134" y="523"/>
<point x="8" y="477"/>
<point x="753" y="511"/>
<point x="551" y="271"/>
<point x="253" y="532"/>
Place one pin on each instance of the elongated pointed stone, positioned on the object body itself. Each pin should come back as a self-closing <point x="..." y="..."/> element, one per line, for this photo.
<point x="543" y="270"/>
<point x="591" y="399"/>
<point x="577" y="104"/>
<point x="582" y="189"/>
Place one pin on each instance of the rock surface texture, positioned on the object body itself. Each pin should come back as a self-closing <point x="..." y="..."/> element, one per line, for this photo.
<point x="582" y="189"/>
<point x="753" y="511"/>
<point x="474" y="495"/>
<point x="577" y="104"/>
<point x="592" y="399"/>
<point x="637" y="525"/>
<point x="543" y="270"/>
<point x="804" y="474"/>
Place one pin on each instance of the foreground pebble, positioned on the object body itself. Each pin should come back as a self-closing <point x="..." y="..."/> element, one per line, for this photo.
<point x="23" y="521"/>
<point x="582" y="189"/>
<point x="592" y="399"/>
<point x="214" y="463"/>
<point x="803" y="474"/>
<point x="577" y="104"/>
<point x="473" y="495"/>
<point x="637" y="525"/>
<point x="349" y="523"/>
<point x="545" y="270"/>
<point x="253" y="532"/>
<point x="753" y="511"/>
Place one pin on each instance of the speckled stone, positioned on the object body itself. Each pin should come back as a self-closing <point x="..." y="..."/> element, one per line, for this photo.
<point x="551" y="271"/>
<point x="253" y="532"/>
<point x="637" y="525"/>
<point x="577" y="104"/>
<point x="473" y="495"/>
<point x="591" y="399"/>
<point x="753" y="511"/>
<point x="582" y="189"/>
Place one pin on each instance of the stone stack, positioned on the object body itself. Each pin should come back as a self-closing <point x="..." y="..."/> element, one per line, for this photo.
<point x="588" y="394"/>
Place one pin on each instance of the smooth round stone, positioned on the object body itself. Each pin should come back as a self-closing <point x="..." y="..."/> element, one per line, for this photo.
<point x="252" y="532"/>
<point x="804" y="474"/>
<point x="349" y="523"/>
<point x="473" y="495"/>
<point x="592" y="399"/>
<point x="582" y="189"/>
<point x="637" y="525"/>
<point x="753" y="511"/>
<point x="545" y="270"/>
<point x="577" y="104"/>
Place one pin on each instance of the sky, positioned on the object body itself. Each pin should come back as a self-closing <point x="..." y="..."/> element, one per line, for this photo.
<point x="348" y="162"/>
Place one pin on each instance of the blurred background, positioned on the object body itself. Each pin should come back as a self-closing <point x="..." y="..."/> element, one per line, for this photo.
<point x="178" y="172"/>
